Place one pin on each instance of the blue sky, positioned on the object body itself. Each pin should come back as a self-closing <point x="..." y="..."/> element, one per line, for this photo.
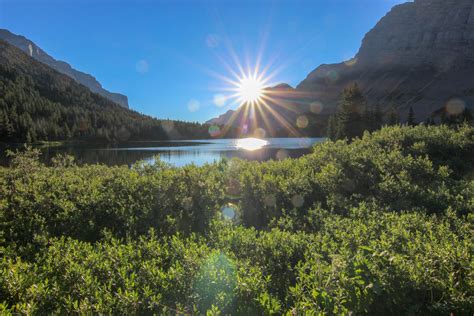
<point x="169" y="57"/>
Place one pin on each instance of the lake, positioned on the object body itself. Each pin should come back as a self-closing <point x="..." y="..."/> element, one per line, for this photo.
<point x="180" y="153"/>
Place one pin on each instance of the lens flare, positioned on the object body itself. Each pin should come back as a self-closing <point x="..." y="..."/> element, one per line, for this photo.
<point x="228" y="211"/>
<point x="250" y="89"/>
<point x="302" y="121"/>
<point x="214" y="131"/>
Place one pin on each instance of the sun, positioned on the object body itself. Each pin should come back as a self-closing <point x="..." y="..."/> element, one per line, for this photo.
<point x="250" y="89"/>
<point x="251" y="143"/>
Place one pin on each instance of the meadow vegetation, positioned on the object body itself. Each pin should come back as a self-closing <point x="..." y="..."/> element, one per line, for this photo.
<point x="381" y="225"/>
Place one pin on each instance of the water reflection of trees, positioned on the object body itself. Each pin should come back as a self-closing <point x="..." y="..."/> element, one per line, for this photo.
<point x="197" y="155"/>
<point x="93" y="156"/>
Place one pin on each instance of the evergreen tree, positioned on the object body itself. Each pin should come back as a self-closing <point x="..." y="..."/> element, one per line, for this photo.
<point x="378" y="117"/>
<point x="29" y="138"/>
<point x="332" y="127"/>
<point x="38" y="103"/>
<point x="372" y="119"/>
<point x="350" y="116"/>
<point x="466" y="116"/>
<point x="9" y="130"/>
<point x="430" y="121"/>
<point x="368" y="121"/>
<point x="3" y="129"/>
<point x="411" y="117"/>
<point x="393" y="118"/>
<point x="444" y="118"/>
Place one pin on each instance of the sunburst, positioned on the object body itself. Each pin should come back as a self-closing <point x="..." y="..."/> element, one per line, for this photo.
<point x="250" y="89"/>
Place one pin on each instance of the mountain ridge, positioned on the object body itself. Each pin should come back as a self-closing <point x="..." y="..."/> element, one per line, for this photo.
<point x="419" y="54"/>
<point x="34" y="51"/>
<point x="39" y="103"/>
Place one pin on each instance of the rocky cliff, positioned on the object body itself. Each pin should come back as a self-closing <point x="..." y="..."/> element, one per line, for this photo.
<point x="420" y="55"/>
<point x="37" y="53"/>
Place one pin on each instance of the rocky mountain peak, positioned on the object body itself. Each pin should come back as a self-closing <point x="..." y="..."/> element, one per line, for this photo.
<point x="420" y="55"/>
<point x="439" y="32"/>
<point x="282" y="86"/>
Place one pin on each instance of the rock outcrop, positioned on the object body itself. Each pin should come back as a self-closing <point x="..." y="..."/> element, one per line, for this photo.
<point x="420" y="55"/>
<point x="37" y="53"/>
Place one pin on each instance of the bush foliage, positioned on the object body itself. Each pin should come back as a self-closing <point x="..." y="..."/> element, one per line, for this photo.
<point x="381" y="225"/>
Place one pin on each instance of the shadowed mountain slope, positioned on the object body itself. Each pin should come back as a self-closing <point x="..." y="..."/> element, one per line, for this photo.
<point x="38" y="103"/>
<point x="37" y="53"/>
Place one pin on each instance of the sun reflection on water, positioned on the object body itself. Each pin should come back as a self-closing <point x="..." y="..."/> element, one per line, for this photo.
<point x="251" y="144"/>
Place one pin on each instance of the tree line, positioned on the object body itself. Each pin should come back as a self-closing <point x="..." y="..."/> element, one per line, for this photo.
<point x="354" y="116"/>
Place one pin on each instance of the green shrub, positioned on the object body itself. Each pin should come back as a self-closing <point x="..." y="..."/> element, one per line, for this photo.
<point x="379" y="226"/>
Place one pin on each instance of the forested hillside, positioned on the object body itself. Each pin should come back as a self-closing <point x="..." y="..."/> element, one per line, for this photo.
<point x="34" y="51"/>
<point x="378" y="226"/>
<point x="37" y="104"/>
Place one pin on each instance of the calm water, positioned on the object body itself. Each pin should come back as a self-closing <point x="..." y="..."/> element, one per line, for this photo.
<point x="181" y="153"/>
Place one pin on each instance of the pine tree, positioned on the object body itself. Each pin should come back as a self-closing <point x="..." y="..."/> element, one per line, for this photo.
<point x="444" y="119"/>
<point x="368" y="118"/>
<point x="9" y="130"/>
<point x="378" y="117"/>
<point x="411" y="117"/>
<point x="3" y="130"/>
<point x="466" y="116"/>
<point x="332" y="128"/>
<point x="29" y="139"/>
<point x="350" y="116"/>
<point x="393" y="118"/>
<point x="430" y="121"/>
<point x="67" y="132"/>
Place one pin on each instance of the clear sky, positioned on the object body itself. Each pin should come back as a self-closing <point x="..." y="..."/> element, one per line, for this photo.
<point x="169" y="57"/>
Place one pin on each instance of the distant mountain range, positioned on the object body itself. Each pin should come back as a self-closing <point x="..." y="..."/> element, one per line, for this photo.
<point x="37" y="53"/>
<point x="420" y="55"/>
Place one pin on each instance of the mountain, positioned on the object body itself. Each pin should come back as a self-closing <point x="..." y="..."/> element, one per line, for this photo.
<point x="283" y="112"/>
<point x="420" y="55"/>
<point x="37" y="53"/>
<point x="282" y="91"/>
<point x="221" y="119"/>
<point x="38" y="103"/>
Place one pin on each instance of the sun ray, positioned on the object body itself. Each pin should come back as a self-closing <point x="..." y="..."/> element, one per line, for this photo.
<point x="266" y="122"/>
<point x="248" y="86"/>
<point x="280" y="103"/>
<point x="280" y="119"/>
